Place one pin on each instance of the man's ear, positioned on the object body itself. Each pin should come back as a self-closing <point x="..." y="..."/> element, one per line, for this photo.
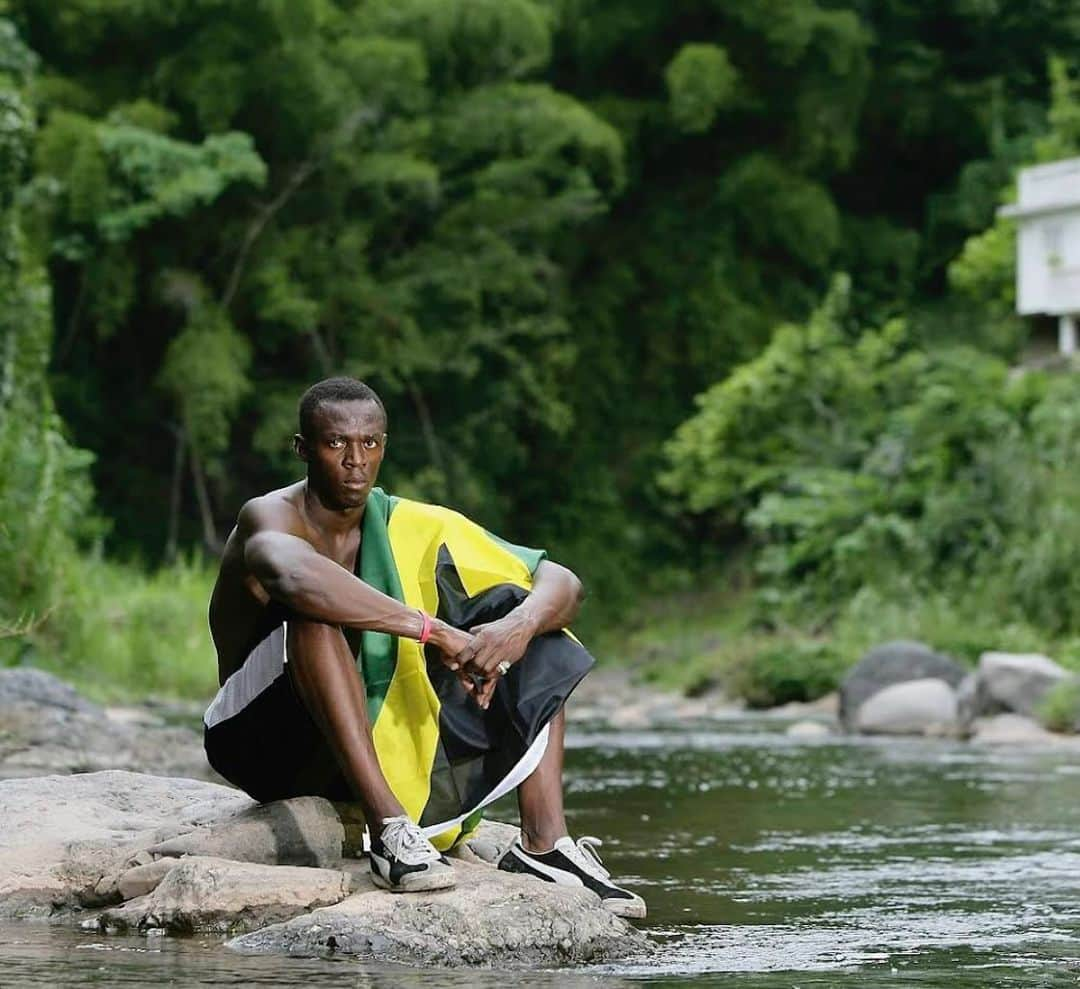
<point x="299" y="445"/>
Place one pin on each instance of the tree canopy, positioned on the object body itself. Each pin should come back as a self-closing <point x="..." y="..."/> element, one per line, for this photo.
<point x="538" y="228"/>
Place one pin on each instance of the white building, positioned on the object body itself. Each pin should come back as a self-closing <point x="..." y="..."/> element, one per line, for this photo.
<point x="1048" y="245"/>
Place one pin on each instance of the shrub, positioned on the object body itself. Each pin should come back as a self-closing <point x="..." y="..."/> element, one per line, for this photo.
<point x="1060" y="709"/>
<point x="791" y="671"/>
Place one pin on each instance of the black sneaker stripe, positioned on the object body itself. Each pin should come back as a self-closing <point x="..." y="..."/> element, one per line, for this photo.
<point x="512" y="863"/>
<point x="517" y="860"/>
<point x="398" y="870"/>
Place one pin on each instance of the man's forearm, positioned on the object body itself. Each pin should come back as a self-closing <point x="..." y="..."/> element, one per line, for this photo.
<point x="555" y="599"/>
<point x="317" y="588"/>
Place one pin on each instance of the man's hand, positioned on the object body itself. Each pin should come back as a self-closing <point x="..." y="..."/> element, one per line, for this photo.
<point x="451" y="642"/>
<point x="501" y="641"/>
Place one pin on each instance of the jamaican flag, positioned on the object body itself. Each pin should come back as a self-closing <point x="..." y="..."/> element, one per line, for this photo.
<point x="442" y="755"/>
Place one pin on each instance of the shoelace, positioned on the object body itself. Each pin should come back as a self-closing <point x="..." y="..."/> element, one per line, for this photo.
<point x="405" y="841"/>
<point x="587" y="847"/>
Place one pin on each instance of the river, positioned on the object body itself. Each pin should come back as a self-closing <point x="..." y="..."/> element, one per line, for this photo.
<point x="768" y="863"/>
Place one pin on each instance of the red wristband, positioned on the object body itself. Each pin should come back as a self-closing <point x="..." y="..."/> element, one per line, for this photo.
<point x="425" y="632"/>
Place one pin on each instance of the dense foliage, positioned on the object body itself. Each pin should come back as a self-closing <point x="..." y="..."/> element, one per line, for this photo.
<point x="538" y="228"/>
<point x="45" y="489"/>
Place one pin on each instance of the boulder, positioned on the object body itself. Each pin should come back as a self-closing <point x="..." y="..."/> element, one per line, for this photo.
<point x="489" y="918"/>
<point x="1015" y="682"/>
<point x="216" y="895"/>
<point x="67" y="840"/>
<point x="916" y="707"/>
<point x="889" y="664"/>
<point x="46" y="727"/>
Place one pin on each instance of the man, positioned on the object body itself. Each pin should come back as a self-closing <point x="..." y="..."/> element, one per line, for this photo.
<point x="395" y="654"/>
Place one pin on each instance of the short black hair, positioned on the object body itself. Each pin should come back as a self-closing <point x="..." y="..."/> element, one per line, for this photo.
<point x="339" y="389"/>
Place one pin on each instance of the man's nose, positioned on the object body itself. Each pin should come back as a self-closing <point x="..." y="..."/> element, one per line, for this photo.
<point x="355" y="454"/>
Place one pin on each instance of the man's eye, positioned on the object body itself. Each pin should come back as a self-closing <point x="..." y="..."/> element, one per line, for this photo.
<point x="336" y="443"/>
<point x="371" y="443"/>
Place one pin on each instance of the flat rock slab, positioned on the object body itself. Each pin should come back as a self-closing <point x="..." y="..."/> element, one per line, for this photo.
<point x="216" y="895"/>
<point x="1015" y="729"/>
<point x="61" y="837"/>
<point x="489" y="918"/>
<point x="88" y="840"/>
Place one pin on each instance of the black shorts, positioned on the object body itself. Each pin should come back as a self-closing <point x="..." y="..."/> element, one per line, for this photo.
<point x="259" y="735"/>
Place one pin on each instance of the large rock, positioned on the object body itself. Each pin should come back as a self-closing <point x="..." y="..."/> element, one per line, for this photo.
<point x="917" y="707"/>
<point x="87" y="840"/>
<point x="216" y="895"/>
<point x="62" y="838"/>
<point x="46" y="727"/>
<point x="1015" y="682"/>
<point x="489" y="918"/>
<point x="893" y="663"/>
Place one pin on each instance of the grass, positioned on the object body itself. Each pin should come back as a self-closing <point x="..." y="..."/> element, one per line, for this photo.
<point x="121" y="633"/>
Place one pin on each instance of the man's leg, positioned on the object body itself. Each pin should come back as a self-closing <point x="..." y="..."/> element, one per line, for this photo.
<point x="325" y="676"/>
<point x="540" y="797"/>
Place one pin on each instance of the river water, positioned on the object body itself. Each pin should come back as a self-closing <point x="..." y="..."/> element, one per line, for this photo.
<point x="767" y="862"/>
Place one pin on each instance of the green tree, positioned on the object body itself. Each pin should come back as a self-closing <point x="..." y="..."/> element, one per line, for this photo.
<point x="45" y="492"/>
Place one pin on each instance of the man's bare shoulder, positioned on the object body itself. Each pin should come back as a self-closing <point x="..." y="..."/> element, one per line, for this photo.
<point x="275" y="511"/>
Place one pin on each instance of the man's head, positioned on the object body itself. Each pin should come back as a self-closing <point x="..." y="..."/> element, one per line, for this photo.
<point x="342" y="440"/>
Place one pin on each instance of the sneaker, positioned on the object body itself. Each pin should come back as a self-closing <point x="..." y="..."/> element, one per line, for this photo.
<point x="574" y="864"/>
<point x="404" y="861"/>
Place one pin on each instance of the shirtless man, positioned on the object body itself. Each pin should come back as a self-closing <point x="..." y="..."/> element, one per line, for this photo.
<point x="292" y="716"/>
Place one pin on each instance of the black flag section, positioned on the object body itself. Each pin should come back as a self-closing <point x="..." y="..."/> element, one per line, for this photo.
<point x="478" y="749"/>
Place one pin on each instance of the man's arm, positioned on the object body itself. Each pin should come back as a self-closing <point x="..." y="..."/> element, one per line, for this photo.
<point x="294" y="573"/>
<point x="553" y="603"/>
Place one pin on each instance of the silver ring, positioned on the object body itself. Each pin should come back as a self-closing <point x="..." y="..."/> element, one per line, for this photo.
<point x="503" y="668"/>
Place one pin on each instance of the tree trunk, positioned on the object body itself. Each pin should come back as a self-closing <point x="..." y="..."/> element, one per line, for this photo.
<point x="431" y="439"/>
<point x="176" y="491"/>
<point x="211" y="539"/>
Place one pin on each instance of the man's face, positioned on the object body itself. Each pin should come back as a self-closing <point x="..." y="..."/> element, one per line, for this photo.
<point x="344" y="452"/>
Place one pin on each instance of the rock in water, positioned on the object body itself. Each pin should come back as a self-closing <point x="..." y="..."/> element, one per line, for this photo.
<point x="917" y="707"/>
<point x="807" y="729"/>
<point x="1010" y="729"/>
<point x="1015" y="682"/>
<point x="488" y="918"/>
<point x="892" y="663"/>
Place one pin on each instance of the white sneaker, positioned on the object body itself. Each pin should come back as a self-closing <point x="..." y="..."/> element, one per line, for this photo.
<point x="570" y="864"/>
<point x="404" y="861"/>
